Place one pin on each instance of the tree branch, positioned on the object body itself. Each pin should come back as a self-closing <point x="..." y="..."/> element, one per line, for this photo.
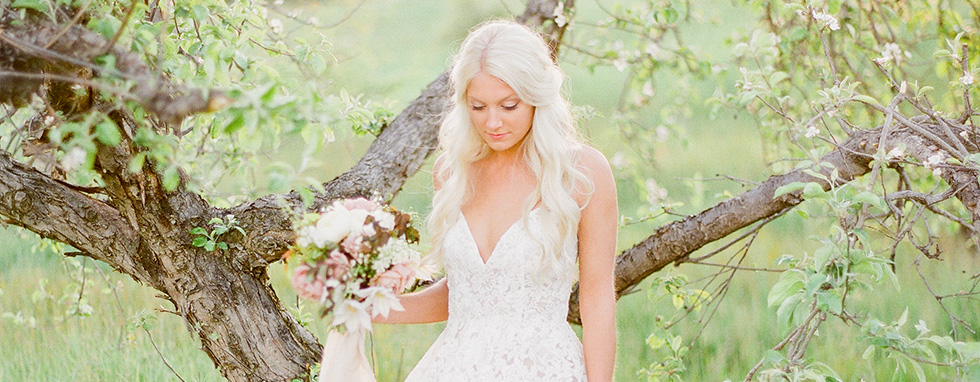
<point x="675" y="241"/>
<point x="67" y="48"/>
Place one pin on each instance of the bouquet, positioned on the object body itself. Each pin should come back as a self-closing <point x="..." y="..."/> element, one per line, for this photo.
<point x="353" y="259"/>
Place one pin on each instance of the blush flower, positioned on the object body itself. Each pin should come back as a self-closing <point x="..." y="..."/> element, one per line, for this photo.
<point x="308" y="286"/>
<point x="396" y="279"/>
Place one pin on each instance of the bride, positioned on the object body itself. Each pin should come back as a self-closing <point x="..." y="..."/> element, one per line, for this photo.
<point x="518" y="201"/>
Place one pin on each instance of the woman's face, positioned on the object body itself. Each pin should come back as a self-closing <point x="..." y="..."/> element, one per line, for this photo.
<point x="498" y="114"/>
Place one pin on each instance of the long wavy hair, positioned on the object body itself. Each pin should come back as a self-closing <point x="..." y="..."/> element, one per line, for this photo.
<point x="519" y="57"/>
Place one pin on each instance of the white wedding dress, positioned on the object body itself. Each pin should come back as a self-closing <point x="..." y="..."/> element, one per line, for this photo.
<point x="506" y="320"/>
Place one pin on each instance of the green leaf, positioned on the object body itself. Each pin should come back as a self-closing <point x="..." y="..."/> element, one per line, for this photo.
<point x="869" y="198"/>
<point x="866" y="99"/>
<point x="199" y="241"/>
<point x="830" y="301"/>
<point x="107" y="133"/>
<point x="814" y="191"/>
<point x="785" y="313"/>
<point x="223" y="245"/>
<point x="136" y="164"/>
<point x="37" y="5"/>
<point x="773" y="357"/>
<point x="209" y="246"/>
<point x="785" y="189"/>
<point x="171" y="178"/>
<point x="198" y="231"/>
<point x="790" y="283"/>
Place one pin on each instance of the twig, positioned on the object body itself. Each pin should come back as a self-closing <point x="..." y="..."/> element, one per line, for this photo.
<point x="965" y="67"/>
<point x="74" y="20"/>
<point x="161" y="354"/>
<point x="129" y="14"/>
<point x="952" y="317"/>
<point x="57" y="77"/>
<point x="792" y="335"/>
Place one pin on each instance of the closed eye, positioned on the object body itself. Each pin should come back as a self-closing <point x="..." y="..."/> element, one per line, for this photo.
<point x="511" y="107"/>
<point x="476" y="107"/>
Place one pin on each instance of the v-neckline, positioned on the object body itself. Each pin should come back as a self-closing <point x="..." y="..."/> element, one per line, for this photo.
<point x="493" y="250"/>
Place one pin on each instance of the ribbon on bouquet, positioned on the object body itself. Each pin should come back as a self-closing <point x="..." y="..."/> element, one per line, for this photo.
<point x="344" y="359"/>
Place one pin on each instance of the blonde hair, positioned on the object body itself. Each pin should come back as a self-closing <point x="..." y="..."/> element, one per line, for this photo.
<point x="519" y="57"/>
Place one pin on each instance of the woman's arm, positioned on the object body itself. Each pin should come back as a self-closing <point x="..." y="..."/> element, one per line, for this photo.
<point x="428" y="305"/>
<point x="597" y="259"/>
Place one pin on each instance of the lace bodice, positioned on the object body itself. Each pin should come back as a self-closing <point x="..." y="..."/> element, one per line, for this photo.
<point x="506" y="317"/>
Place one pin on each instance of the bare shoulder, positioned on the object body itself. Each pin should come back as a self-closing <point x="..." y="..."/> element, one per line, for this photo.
<point x="593" y="162"/>
<point x="595" y="166"/>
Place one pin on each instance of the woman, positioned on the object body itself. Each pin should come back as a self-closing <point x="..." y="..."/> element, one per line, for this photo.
<point x="518" y="200"/>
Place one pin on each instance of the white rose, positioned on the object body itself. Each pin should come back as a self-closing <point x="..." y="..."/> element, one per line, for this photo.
<point x="355" y="221"/>
<point x="332" y="227"/>
<point x="385" y="219"/>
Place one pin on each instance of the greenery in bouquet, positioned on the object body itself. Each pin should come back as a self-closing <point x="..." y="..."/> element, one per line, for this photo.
<point x="353" y="258"/>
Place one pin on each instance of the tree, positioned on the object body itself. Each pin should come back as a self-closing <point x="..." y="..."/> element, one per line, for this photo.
<point x="110" y="105"/>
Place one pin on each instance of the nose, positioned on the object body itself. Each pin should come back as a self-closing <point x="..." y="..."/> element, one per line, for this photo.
<point x="493" y="120"/>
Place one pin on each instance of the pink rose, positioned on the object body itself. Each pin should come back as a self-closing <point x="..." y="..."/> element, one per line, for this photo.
<point x="353" y="244"/>
<point x="337" y="265"/>
<point x="397" y="278"/>
<point x="306" y="287"/>
<point x="360" y="204"/>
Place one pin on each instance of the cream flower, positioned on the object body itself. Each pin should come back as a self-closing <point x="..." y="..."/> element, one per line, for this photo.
<point x="380" y="300"/>
<point x="353" y="315"/>
<point x="333" y="226"/>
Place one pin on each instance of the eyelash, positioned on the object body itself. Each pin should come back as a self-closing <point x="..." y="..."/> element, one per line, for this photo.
<point x="508" y="108"/>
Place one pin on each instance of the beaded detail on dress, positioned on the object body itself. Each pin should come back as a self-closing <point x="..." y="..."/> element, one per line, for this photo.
<point x="506" y="321"/>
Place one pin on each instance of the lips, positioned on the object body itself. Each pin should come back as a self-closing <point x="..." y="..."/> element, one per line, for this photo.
<point x="497" y="137"/>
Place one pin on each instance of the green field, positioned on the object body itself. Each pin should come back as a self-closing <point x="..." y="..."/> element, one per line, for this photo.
<point x="44" y="338"/>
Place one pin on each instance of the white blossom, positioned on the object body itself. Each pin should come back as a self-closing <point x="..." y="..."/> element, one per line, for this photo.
<point x="381" y="301"/>
<point x="618" y="160"/>
<point x="73" y="158"/>
<point x="811" y="131"/>
<point x="922" y="328"/>
<point x="655" y="193"/>
<point x="385" y="219"/>
<point x="967" y="79"/>
<point x="895" y="153"/>
<point x="933" y="163"/>
<point x="826" y="19"/>
<point x="648" y="88"/>
<point x="559" y="14"/>
<point x="620" y="64"/>
<point x="276" y="25"/>
<point x="662" y="133"/>
<point x="425" y="268"/>
<point x="892" y="52"/>
<point x="395" y="251"/>
<point x="353" y="315"/>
